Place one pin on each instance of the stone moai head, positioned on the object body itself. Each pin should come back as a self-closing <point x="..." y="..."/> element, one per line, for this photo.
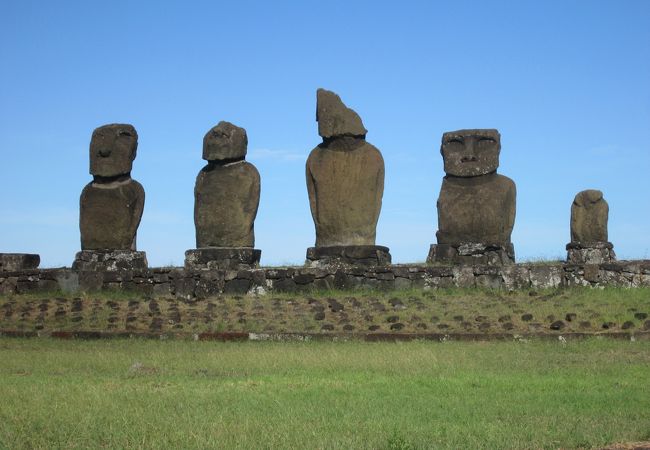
<point x="224" y="142"/>
<point x="470" y="153"/>
<point x="112" y="150"/>
<point x="334" y="118"/>
<point x="589" y="215"/>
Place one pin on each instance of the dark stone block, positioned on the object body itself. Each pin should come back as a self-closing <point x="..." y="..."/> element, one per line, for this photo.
<point x="349" y="255"/>
<point x="557" y="325"/>
<point x="324" y="283"/>
<point x="627" y="325"/>
<point x="91" y="281"/>
<point x="471" y="253"/>
<point x="232" y="258"/>
<point x="303" y="278"/>
<point x="284" y="285"/>
<point x="15" y="262"/>
<point x="109" y="260"/>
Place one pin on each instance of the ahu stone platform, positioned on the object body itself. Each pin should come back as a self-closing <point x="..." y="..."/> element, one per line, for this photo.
<point x="198" y="284"/>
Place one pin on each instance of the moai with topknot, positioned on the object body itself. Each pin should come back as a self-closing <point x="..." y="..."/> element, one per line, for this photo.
<point x="110" y="207"/>
<point x="476" y="206"/>
<point x="589" y="216"/>
<point x="345" y="183"/>
<point x="226" y="198"/>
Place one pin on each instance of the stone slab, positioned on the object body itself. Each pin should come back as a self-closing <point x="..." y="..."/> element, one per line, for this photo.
<point x="222" y="258"/>
<point x="472" y="253"/>
<point x="14" y="262"/>
<point x="353" y="255"/>
<point x="590" y="253"/>
<point x="109" y="261"/>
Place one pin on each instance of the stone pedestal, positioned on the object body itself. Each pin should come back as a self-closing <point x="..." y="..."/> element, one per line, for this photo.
<point x="590" y="253"/>
<point x="225" y="258"/>
<point x="14" y="262"/>
<point x="351" y="255"/>
<point x="109" y="260"/>
<point x="472" y="253"/>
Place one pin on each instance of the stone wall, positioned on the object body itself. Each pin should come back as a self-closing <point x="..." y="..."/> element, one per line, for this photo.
<point x="178" y="282"/>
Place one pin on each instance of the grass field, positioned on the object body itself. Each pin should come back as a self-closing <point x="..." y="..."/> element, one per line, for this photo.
<point x="411" y="311"/>
<point x="186" y="394"/>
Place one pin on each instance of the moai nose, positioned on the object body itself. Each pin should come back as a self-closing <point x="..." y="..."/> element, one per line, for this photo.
<point x="105" y="152"/>
<point x="470" y="151"/>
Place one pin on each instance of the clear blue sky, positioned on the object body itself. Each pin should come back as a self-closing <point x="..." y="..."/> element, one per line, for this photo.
<point x="567" y="83"/>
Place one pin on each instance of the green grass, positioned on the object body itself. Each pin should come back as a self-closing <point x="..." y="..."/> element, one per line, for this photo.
<point x="186" y="394"/>
<point x="410" y="311"/>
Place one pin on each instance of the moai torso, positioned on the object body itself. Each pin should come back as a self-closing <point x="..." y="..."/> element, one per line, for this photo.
<point x="476" y="205"/>
<point x="589" y="215"/>
<point x="111" y="205"/>
<point x="345" y="177"/>
<point x="227" y="191"/>
<point x="478" y="209"/>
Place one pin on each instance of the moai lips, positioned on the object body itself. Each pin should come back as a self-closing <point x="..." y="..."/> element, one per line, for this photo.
<point x="111" y="205"/>
<point x="227" y="191"/>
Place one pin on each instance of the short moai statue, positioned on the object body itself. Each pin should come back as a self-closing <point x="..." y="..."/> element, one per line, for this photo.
<point x="226" y="198"/>
<point x="476" y="206"/>
<point x="345" y="183"/>
<point x="110" y="207"/>
<point x="589" y="244"/>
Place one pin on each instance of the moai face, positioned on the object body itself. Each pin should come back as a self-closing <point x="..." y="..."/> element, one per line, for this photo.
<point x="112" y="150"/>
<point x="470" y="153"/>
<point x="225" y="141"/>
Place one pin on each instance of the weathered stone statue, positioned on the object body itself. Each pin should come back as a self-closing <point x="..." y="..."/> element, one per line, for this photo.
<point x="226" y="198"/>
<point x="589" y="244"/>
<point x="111" y="205"/>
<point x="476" y="206"/>
<point x="345" y="182"/>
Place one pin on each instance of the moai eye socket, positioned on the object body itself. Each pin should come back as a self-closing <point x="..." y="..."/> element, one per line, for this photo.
<point x="455" y="141"/>
<point x="486" y="141"/>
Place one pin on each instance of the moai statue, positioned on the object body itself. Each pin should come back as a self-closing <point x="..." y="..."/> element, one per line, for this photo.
<point x="226" y="198"/>
<point x="589" y="244"/>
<point x="111" y="205"/>
<point x="345" y="182"/>
<point x="476" y="206"/>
